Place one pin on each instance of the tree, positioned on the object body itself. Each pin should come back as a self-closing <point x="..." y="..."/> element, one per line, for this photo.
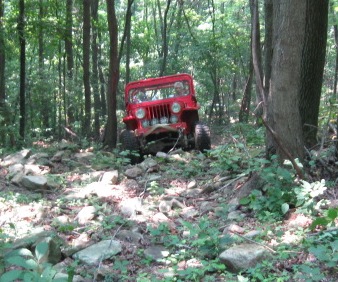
<point x="294" y="55"/>
<point x="110" y="136"/>
<point x="22" y="92"/>
<point x="86" y="66"/>
<point x="312" y="67"/>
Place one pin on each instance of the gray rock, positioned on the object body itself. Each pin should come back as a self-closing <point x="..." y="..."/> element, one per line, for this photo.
<point x="129" y="236"/>
<point x="110" y="177"/>
<point x="98" y="252"/>
<point x="34" y="182"/>
<point x="133" y="172"/>
<point x="148" y="163"/>
<point x="18" y="157"/>
<point x="241" y="257"/>
<point x="86" y="214"/>
<point x="156" y="252"/>
<point x="14" y="170"/>
<point x="130" y="207"/>
<point x="58" y="156"/>
<point x="192" y="184"/>
<point x="84" y="156"/>
<point x="235" y="215"/>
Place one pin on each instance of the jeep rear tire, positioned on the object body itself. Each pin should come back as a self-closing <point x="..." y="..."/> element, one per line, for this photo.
<point x="202" y="137"/>
<point x="130" y="143"/>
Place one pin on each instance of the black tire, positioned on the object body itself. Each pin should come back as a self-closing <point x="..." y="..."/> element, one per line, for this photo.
<point x="202" y="137"/>
<point x="130" y="143"/>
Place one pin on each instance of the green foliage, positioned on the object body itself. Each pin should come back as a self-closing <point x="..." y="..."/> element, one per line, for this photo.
<point x="28" y="266"/>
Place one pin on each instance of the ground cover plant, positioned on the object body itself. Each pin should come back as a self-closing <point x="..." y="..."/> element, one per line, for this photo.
<point x="174" y="215"/>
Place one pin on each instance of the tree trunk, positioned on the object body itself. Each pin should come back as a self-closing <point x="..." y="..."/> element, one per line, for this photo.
<point x="2" y="57"/>
<point x="69" y="38"/>
<point x="86" y="66"/>
<point x="95" y="76"/>
<point x="335" y="28"/>
<point x="110" y="136"/>
<point x="283" y="99"/>
<point x="312" y="69"/>
<point x="22" y="43"/>
<point x="164" y="33"/>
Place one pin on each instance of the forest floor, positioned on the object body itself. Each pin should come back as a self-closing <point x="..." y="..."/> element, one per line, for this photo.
<point x="194" y="230"/>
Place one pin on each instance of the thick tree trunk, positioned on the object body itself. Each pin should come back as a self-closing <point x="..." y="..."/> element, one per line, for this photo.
<point x="312" y="69"/>
<point x="283" y="98"/>
<point x="86" y="66"/>
<point x="110" y="136"/>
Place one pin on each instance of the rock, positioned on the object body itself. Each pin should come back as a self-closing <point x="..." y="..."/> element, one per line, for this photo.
<point x="189" y="212"/>
<point x="241" y="257"/>
<point x="96" y="253"/>
<point x="129" y="236"/>
<point x="84" y="156"/>
<point x="162" y="155"/>
<point x="156" y="252"/>
<point x="130" y="207"/>
<point x="14" y="170"/>
<point x="165" y="206"/>
<point x="148" y="163"/>
<point x="235" y="215"/>
<point x="86" y="214"/>
<point x="16" y="158"/>
<point x="17" y="178"/>
<point x="58" y="156"/>
<point x="192" y="184"/>
<point x="110" y="177"/>
<point x="234" y="228"/>
<point x="32" y="169"/>
<point x="133" y="172"/>
<point x="34" y="182"/>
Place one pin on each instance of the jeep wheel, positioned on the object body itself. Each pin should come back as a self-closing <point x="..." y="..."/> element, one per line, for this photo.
<point x="130" y="143"/>
<point x="202" y="137"/>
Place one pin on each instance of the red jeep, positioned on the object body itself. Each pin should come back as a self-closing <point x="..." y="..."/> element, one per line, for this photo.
<point x="162" y="113"/>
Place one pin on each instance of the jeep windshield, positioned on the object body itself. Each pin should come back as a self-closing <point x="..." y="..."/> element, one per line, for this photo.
<point x="159" y="92"/>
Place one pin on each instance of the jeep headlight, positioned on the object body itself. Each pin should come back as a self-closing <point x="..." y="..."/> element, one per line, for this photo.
<point x="140" y="113"/>
<point x="173" y="119"/>
<point x="145" y="123"/>
<point x="163" y="120"/>
<point x="175" y="107"/>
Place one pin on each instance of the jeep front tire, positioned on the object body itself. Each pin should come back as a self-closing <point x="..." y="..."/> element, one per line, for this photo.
<point x="130" y="143"/>
<point x="202" y="137"/>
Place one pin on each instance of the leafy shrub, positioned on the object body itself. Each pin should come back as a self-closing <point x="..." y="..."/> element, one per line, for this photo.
<point x="29" y="267"/>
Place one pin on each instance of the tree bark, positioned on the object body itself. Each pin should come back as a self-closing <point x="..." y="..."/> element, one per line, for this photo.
<point x="110" y="136"/>
<point x="22" y="43"/>
<point x="283" y="98"/>
<point x="2" y="57"/>
<point x="86" y="66"/>
<point x="312" y="68"/>
<point x="69" y="38"/>
<point x="95" y="75"/>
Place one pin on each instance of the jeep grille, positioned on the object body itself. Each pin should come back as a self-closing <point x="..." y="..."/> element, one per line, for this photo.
<point x="159" y="114"/>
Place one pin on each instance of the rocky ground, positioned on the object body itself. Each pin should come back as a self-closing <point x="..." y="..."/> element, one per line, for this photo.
<point x="168" y="218"/>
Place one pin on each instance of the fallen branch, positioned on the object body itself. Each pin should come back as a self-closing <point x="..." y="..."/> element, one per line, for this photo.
<point x="285" y="151"/>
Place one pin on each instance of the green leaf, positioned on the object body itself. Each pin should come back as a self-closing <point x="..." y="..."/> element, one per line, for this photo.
<point x="322" y="221"/>
<point x="244" y="201"/>
<point x="20" y="261"/>
<point x="285" y="208"/>
<point x="11" y="275"/>
<point x="41" y="250"/>
<point x="332" y="214"/>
